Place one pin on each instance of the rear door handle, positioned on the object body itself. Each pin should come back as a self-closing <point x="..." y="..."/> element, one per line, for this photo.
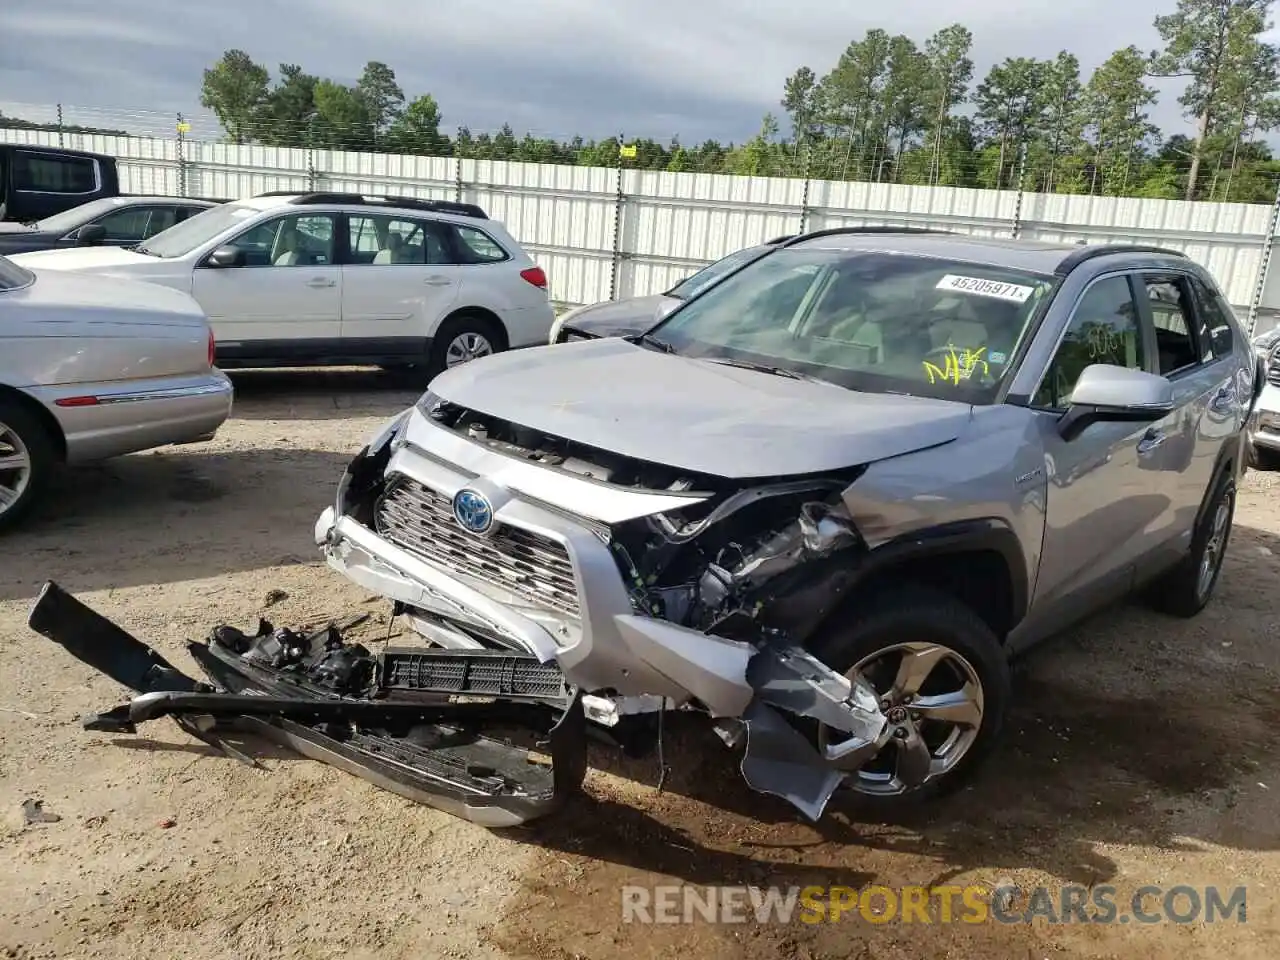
<point x="321" y="282"/>
<point x="437" y="281"/>
<point x="1151" y="440"/>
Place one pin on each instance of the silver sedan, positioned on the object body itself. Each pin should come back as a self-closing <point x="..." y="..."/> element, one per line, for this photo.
<point x="92" y="368"/>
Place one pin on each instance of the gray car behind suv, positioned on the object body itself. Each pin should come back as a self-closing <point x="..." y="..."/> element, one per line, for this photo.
<point x="828" y="499"/>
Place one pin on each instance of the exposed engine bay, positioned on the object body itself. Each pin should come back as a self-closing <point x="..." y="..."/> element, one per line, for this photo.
<point x="744" y="554"/>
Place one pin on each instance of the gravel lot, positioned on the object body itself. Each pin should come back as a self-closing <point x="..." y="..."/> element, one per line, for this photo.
<point x="1141" y="751"/>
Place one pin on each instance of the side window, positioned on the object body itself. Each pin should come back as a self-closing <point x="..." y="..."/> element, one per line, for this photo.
<point x="303" y="240"/>
<point x="1175" y="322"/>
<point x="128" y="225"/>
<point x="162" y="218"/>
<point x="1218" y="318"/>
<point x="51" y="173"/>
<point x="1103" y="329"/>
<point x="477" y="246"/>
<point x="185" y="213"/>
<point x="380" y="240"/>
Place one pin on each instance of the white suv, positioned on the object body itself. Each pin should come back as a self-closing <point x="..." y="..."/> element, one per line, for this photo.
<point x="301" y="279"/>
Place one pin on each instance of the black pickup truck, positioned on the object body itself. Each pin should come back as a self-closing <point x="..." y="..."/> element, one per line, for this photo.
<point x="38" y="181"/>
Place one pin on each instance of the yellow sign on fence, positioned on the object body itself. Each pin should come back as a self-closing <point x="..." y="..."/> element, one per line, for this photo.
<point x="627" y="150"/>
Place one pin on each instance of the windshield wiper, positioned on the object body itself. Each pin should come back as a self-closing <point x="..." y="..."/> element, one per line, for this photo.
<point x="766" y="368"/>
<point x="140" y="248"/>
<point x="651" y="341"/>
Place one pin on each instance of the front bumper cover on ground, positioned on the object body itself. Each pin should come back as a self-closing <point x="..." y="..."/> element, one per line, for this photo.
<point x="394" y="719"/>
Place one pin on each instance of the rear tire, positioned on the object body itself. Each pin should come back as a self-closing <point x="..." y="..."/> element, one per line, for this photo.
<point x="1186" y="589"/>
<point x="28" y="457"/>
<point x="462" y="338"/>
<point x="915" y="622"/>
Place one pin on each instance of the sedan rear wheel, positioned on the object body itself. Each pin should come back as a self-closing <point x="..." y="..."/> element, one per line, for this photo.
<point x="26" y="457"/>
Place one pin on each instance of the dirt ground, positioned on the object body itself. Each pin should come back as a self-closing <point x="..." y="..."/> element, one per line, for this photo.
<point x="1141" y="750"/>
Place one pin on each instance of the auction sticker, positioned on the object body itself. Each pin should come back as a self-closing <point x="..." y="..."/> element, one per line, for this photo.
<point x="986" y="288"/>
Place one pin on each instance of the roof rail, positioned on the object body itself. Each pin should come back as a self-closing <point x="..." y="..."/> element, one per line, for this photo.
<point x="838" y="231"/>
<point x="305" y="198"/>
<point x="1084" y="254"/>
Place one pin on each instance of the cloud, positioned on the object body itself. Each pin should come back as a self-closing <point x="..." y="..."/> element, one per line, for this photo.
<point x="699" y="68"/>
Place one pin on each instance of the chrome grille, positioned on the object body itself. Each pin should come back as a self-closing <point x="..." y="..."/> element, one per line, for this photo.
<point x="527" y="564"/>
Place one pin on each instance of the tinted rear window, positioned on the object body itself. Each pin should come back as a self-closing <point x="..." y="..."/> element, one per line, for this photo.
<point x="53" y="173"/>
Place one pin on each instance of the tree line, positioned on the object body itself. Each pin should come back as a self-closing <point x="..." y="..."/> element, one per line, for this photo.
<point x="17" y="123"/>
<point x="889" y="110"/>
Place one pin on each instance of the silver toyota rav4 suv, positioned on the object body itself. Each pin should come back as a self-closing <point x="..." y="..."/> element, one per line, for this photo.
<point x="825" y="501"/>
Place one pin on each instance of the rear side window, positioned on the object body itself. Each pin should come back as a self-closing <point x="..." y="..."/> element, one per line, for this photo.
<point x="52" y="173"/>
<point x="476" y="246"/>
<point x="1178" y="345"/>
<point x="380" y="240"/>
<point x="1217" y="318"/>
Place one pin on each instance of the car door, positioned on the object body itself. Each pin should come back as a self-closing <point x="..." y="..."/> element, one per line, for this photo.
<point x="283" y="296"/>
<point x="1109" y="496"/>
<point x="1208" y="408"/>
<point x="397" y="284"/>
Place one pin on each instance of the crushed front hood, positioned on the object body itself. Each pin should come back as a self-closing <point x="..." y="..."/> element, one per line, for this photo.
<point x="696" y="415"/>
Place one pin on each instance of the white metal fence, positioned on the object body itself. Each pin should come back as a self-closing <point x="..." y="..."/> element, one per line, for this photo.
<point x="602" y="233"/>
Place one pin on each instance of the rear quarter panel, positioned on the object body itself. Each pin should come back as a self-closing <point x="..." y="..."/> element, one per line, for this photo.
<point x="45" y="346"/>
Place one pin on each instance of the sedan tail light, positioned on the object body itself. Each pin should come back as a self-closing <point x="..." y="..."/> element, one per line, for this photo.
<point x="213" y="348"/>
<point x="535" y="276"/>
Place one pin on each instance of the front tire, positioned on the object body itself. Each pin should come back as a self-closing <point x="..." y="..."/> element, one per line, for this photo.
<point x="27" y="458"/>
<point x="1187" y="588"/>
<point x="945" y="679"/>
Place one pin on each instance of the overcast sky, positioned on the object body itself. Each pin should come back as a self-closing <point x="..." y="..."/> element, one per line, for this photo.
<point x="697" y="68"/>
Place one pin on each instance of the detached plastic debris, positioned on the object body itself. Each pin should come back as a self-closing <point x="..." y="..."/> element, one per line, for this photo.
<point x="33" y="811"/>
<point x="407" y="720"/>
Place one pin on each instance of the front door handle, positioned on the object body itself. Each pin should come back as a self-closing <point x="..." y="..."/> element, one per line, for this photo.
<point x="321" y="282"/>
<point x="1152" y="439"/>
<point x="437" y="281"/>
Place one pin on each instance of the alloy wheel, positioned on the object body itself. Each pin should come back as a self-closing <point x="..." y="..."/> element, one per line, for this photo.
<point x="933" y="699"/>
<point x="1215" y="546"/>
<point x="15" y="467"/>
<point x="465" y="347"/>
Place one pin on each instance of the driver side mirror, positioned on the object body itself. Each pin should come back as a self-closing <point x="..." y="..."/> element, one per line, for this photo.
<point x="90" y="235"/>
<point x="225" y="257"/>
<point x="1106" y="393"/>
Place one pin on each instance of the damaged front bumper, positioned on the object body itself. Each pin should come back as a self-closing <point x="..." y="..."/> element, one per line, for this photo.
<point x="400" y="720"/>
<point x="604" y="647"/>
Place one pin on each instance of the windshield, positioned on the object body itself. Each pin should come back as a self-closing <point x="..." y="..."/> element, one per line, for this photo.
<point x="182" y="238"/>
<point x="873" y="321"/>
<point x="691" y="286"/>
<point x="70" y="219"/>
<point x="13" y="276"/>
